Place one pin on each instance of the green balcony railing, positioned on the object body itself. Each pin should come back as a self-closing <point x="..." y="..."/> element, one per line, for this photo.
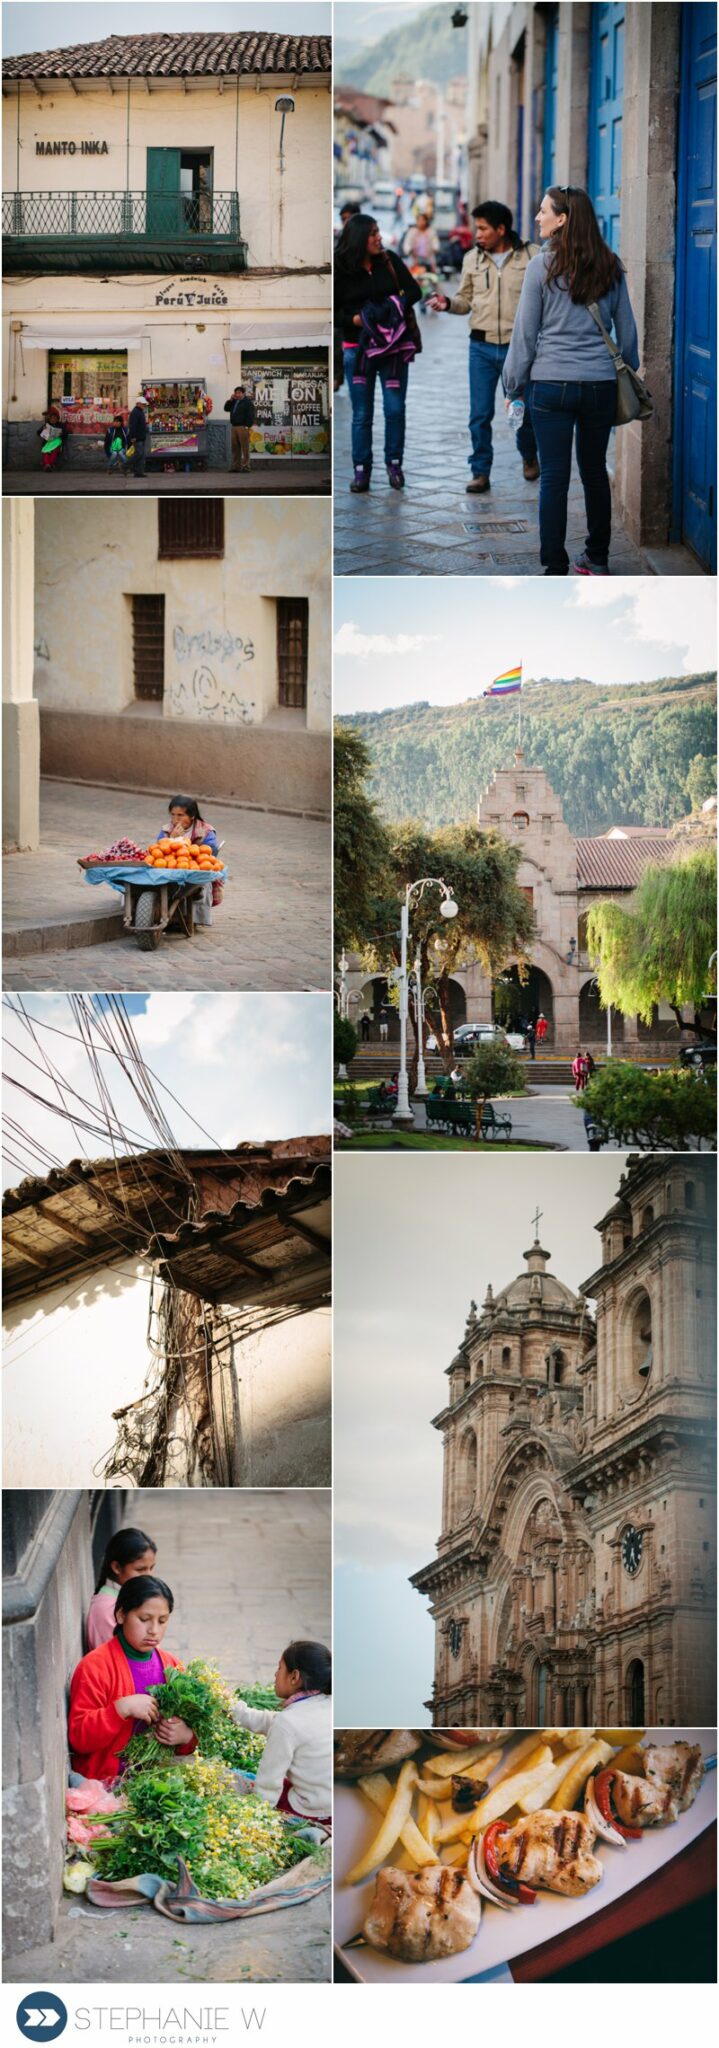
<point x="158" y="216"/>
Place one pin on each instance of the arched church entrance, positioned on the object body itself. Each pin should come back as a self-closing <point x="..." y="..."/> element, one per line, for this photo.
<point x="636" y="1693"/>
<point x="515" y="1003"/>
<point x="376" y="1000"/>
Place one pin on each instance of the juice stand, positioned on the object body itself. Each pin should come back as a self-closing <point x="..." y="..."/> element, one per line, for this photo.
<point x="178" y="411"/>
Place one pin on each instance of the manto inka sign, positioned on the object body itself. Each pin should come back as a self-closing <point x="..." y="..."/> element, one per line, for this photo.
<point x="72" y="149"/>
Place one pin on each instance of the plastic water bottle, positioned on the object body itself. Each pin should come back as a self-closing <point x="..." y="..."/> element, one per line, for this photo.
<point x="516" y="413"/>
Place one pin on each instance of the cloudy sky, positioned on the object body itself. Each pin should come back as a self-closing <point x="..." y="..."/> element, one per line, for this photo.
<point x="53" y="25"/>
<point x="443" y="641"/>
<point x="415" y="1240"/>
<point x="246" y="1066"/>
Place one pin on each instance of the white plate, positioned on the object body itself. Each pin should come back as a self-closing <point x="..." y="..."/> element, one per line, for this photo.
<point x="501" y="1936"/>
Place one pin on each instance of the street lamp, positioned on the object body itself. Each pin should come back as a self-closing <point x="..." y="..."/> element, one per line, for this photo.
<point x="421" y="998"/>
<point x="447" y="909"/>
<point x="284" y="105"/>
<point x="343" y="998"/>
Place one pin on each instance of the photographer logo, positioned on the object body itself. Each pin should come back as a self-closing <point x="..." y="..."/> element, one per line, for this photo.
<point x="42" y="2016"/>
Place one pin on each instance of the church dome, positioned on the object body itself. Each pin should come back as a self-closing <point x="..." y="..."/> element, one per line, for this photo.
<point x="536" y="1285"/>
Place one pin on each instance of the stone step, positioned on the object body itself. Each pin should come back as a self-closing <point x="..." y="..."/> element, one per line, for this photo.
<point x="61" y="934"/>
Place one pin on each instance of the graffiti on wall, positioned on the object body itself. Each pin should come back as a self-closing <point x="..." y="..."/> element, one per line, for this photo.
<point x="206" y="687"/>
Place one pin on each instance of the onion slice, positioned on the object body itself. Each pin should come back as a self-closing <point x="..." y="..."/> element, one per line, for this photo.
<point x="601" y="1826"/>
<point x="484" y="1883"/>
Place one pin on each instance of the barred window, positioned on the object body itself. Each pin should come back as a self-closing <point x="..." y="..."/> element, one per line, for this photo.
<point x="191" y="526"/>
<point x="292" y="635"/>
<point x="148" y="647"/>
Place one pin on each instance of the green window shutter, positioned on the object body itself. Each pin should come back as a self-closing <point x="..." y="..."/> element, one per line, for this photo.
<point x="164" y="204"/>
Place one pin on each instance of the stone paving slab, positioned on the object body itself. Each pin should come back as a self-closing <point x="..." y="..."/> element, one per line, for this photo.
<point x="271" y="932"/>
<point x="433" y="528"/>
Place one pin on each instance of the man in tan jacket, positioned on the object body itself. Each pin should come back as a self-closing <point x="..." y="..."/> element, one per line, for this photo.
<point x="493" y="273"/>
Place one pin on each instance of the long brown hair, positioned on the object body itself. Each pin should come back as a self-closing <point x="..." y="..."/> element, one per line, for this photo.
<point x="580" y="257"/>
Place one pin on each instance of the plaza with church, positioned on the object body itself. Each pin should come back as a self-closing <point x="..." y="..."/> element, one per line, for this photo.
<point x="574" y="1579"/>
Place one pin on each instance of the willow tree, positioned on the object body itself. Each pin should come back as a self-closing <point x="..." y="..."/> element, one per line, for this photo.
<point x="659" y="948"/>
<point x="494" y="921"/>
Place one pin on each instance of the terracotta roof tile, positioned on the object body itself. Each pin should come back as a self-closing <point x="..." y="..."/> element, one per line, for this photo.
<point x="620" y="863"/>
<point x="177" y="56"/>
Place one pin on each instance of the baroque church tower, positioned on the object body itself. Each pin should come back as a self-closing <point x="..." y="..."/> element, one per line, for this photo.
<point x="574" y="1578"/>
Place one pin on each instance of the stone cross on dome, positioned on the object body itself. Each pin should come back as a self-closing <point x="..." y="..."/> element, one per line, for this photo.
<point x="536" y="1220"/>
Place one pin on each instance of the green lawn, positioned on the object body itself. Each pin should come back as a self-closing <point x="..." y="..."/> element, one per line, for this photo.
<point x="418" y="1141"/>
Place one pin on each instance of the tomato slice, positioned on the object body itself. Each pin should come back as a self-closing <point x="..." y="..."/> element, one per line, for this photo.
<point x="501" y="1878"/>
<point x="603" y="1794"/>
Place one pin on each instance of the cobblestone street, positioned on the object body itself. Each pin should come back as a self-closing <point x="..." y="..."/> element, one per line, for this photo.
<point x="432" y="528"/>
<point x="271" y="932"/>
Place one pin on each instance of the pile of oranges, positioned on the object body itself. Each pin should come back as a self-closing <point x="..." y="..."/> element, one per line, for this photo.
<point x="180" y="853"/>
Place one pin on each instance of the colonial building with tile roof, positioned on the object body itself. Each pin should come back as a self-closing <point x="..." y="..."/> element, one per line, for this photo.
<point x="562" y="877"/>
<point x="167" y="231"/>
<point x="575" y="1575"/>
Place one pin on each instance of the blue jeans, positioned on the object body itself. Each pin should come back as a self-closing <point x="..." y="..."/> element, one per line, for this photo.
<point x="486" y="363"/>
<point x="559" y="412"/>
<point x="362" y="396"/>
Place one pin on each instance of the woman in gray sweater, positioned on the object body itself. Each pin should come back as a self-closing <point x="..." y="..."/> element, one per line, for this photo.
<point x="557" y="350"/>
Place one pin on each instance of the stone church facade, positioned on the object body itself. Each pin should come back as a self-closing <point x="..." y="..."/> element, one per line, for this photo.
<point x="575" y="1577"/>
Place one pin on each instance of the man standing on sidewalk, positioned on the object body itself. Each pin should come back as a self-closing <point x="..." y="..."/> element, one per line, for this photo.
<point x="137" y="436"/>
<point x="242" y="417"/>
<point x="492" y="277"/>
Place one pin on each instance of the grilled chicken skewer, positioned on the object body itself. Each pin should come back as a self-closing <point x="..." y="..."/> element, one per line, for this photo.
<point x="551" y="1852"/>
<point x="680" y="1765"/>
<point x="358" y="1751"/>
<point x="422" y="1916"/>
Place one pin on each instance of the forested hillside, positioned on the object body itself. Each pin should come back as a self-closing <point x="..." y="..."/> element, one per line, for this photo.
<point x="625" y="755"/>
<point x="425" y="46"/>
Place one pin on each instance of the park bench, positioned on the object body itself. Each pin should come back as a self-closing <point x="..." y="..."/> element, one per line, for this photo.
<point x="494" y="1126"/>
<point x="451" y="1115"/>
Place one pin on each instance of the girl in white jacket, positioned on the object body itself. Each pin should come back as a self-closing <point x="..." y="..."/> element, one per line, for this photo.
<point x="295" y="1769"/>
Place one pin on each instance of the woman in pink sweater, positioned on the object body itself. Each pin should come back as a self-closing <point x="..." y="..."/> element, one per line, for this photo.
<point x="129" y="1555"/>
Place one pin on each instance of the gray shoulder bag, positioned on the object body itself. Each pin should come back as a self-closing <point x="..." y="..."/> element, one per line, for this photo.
<point x="634" y="401"/>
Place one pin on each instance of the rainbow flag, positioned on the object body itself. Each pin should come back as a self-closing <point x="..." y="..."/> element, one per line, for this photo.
<point x="507" y="685"/>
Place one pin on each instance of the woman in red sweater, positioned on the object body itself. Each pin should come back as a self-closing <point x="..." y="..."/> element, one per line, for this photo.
<point x="109" y="1694"/>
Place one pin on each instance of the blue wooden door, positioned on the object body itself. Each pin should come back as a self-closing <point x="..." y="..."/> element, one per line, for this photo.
<point x="606" y="107"/>
<point x="695" y="328"/>
<point x="551" y="67"/>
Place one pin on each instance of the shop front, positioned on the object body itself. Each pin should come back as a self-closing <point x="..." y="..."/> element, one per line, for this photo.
<point x="184" y="346"/>
<point x="88" y="388"/>
<point x="290" y="389"/>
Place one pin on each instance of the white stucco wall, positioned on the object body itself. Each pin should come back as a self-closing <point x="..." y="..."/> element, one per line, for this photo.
<point x="220" y="616"/>
<point x="70" y="1358"/>
<point x="284" y="1382"/>
<point x="285" y="212"/>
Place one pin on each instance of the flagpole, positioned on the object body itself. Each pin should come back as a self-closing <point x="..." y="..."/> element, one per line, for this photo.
<point x="519" y="732"/>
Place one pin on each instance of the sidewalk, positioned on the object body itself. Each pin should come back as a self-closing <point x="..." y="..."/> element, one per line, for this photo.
<point x="432" y="528"/>
<point x="271" y="932"/>
<point x="248" y="1572"/>
<point x="271" y="480"/>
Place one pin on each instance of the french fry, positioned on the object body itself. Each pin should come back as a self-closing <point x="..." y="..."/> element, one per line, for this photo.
<point x="577" y="1738"/>
<point x="496" y="1803"/>
<point x="524" y="1749"/>
<point x="447" y="1764"/>
<point x="394" y="1821"/>
<point x="621" y="1738"/>
<point x="455" y="1854"/>
<point x="590" y="1759"/>
<point x="630" y="1759"/>
<point x="542" y="1794"/>
<point x="419" y="1848"/>
<point x="441" y="1788"/>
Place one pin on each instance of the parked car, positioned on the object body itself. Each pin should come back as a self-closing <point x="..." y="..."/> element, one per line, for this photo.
<point x="699" y="1056"/>
<point x="468" y="1036"/>
<point x="517" y="1040"/>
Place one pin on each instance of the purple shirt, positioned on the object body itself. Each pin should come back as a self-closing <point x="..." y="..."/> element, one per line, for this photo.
<point x="146" y="1671"/>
